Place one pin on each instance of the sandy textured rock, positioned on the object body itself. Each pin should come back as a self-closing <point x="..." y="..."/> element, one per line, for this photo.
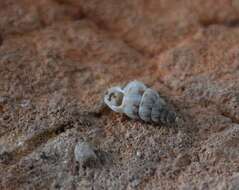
<point x="58" y="57"/>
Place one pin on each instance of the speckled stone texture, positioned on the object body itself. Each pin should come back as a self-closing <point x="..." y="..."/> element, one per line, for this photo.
<point x="58" y="57"/>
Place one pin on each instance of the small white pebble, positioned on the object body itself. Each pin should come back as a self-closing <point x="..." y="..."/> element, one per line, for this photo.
<point x="25" y="103"/>
<point x="84" y="154"/>
<point x="135" y="183"/>
<point x="138" y="153"/>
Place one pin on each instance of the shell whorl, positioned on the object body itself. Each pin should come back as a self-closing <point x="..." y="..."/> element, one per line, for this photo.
<point x="139" y="102"/>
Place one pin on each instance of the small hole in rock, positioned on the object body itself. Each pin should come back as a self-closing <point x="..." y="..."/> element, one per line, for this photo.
<point x="60" y="130"/>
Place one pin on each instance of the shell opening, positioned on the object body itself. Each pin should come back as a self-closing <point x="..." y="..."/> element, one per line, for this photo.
<point x="114" y="98"/>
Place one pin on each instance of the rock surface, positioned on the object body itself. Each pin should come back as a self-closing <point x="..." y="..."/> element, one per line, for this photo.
<point x="57" y="58"/>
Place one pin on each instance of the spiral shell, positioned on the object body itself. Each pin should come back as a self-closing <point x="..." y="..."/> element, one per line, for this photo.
<point x="139" y="102"/>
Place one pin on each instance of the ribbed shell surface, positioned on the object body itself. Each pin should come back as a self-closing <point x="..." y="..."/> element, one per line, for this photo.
<point x="133" y="96"/>
<point x="140" y="102"/>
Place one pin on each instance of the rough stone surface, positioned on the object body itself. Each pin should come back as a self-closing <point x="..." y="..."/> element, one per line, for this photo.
<point x="57" y="58"/>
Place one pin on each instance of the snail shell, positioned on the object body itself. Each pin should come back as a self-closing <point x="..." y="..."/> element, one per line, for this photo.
<point x="139" y="102"/>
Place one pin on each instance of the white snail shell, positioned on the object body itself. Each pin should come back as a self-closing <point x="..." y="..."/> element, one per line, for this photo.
<point x="139" y="102"/>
